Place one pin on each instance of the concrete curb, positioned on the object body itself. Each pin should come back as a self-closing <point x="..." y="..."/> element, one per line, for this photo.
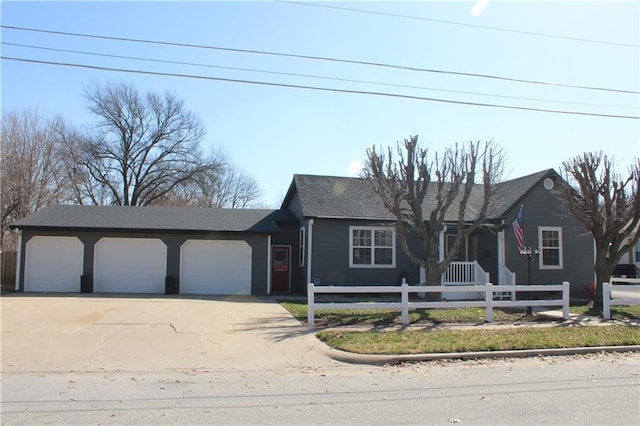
<point x="354" y="358"/>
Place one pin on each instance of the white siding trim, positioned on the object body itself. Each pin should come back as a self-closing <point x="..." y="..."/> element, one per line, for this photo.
<point x="501" y="255"/>
<point x="21" y="271"/>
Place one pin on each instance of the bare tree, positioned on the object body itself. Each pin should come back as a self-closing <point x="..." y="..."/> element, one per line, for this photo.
<point x="235" y="189"/>
<point x="143" y="146"/>
<point x="225" y="187"/>
<point x="420" y="191"/>
<point x="31" y="170"/>
<point x="608" y="205"/>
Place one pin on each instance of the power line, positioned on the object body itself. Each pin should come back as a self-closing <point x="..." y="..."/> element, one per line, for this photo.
<point x="318" y="58"/>
<point x="405" y="86"/>
<point x="325" y="89"/>
<point x="441" y="21"/>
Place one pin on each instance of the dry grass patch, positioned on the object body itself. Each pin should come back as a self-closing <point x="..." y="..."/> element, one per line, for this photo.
<point x="442" y="341"/>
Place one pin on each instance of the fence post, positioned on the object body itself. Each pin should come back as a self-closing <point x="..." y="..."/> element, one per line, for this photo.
<point x="310" y="302"/>
<point x="488" y="298"/>
<point x="404" y="299"/>
<point x="565" y="300"/>
<point x="606" y="301"/>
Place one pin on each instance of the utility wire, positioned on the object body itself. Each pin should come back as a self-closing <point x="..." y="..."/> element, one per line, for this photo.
<point x="441" y="21"/>
<point x="404" y="86"/>
<point x="325" y="89"/>
<point x="317" y="58"/>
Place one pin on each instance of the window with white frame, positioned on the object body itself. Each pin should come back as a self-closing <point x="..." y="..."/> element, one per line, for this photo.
<point x="550" y="243"/>
<point x="636" y="253"/>
<point x="301" y="248"/>
<point x="372" y="247"/>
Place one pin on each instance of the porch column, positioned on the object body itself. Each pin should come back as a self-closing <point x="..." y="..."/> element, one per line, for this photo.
<point x="19" y="268"/>
<point x="501" y="257"/>
<point x="441" y="245"/>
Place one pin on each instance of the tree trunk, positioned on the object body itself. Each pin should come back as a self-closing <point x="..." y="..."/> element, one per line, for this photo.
<point x="433" y="278"/>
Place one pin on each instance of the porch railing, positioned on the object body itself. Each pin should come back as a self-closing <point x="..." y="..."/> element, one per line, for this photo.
<point x="464" y="274"/>
<point x="506" y="277"/>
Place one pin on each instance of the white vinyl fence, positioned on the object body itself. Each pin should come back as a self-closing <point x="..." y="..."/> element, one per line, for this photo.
<point x="618" y="295"/>
<point x="405" y="305"/>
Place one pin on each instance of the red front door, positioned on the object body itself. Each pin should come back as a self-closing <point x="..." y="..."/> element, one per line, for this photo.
<point x="280" y="270"/>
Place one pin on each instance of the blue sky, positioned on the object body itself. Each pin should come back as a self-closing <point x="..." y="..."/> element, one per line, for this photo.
<point x="273" y="132"/>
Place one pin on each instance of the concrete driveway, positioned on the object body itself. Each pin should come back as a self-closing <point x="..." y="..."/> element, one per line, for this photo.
<point x="152" y="333"/>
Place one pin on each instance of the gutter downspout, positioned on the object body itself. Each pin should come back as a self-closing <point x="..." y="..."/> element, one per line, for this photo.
<point x="309" y="245"/>
<point x="502" y="261"/>
<point x="19" y="261"/>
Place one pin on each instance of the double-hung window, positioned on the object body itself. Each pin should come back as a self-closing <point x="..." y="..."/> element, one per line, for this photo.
<point x="550" y="243"/>
<point x="372" y="247"/>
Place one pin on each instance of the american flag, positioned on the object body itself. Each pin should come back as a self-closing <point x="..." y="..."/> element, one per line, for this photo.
<point x="518" y="231"/>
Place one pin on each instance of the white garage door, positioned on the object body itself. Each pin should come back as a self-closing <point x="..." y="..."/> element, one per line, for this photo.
<point x="215" y="267"/>
<point x="129" y="265"/>
<point x="53" y="264"/>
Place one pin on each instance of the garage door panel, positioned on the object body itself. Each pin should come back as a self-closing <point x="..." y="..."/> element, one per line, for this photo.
<point x="53" y="264"/>
<point x="215" y="267"/>
<point x="130" y="265"/>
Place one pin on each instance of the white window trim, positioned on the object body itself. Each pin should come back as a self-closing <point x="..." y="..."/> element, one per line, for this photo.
<point x="557" y="229"/>
<point x="301" y="246"/>
<point x="372" y="228"/>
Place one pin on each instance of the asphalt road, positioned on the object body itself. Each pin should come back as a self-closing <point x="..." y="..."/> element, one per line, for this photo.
<point x="581" y="390"/>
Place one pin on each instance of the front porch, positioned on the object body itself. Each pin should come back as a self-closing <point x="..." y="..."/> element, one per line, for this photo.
<point x="466" y="272"/>
<point x="472" y="274"/>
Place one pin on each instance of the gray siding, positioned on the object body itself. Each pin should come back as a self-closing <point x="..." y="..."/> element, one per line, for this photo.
<point x="173" y="241"/>
<point x="545" y="208"/>
<point x="295" y="206"/>
<point x="487" y="252"/>
<point x="330" y="254"/>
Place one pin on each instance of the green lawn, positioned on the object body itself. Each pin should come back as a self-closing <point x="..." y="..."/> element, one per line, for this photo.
<point x="439" y="340"/>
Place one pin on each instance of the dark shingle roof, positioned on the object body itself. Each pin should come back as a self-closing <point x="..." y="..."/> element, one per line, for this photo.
<point x="343" y="197"/>
<point x="338" y="197"/>
<point x="511" y="192"/>
<point x="155" y="218"/>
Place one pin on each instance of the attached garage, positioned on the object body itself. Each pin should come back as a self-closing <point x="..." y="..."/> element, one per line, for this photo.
<point x="215" y="267"/>
<point x="150" y="250"/>
<point x="130" y="265"/>
<point x="53" y="264"/>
